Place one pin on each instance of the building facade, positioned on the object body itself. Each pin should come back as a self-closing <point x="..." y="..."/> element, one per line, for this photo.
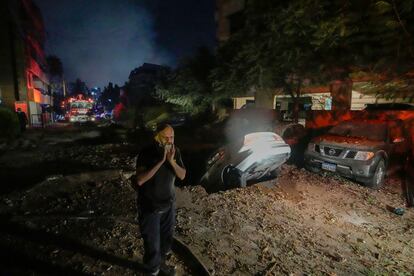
<point x="23" y="79"/>
<point x="229" y="18"/>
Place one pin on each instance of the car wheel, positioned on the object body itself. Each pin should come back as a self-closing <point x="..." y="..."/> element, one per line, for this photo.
<point x="378" y="178"/>
<point x="232" y="177"/>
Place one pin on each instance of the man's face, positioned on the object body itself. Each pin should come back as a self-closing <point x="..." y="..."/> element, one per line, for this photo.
<point x="166" y="136"/>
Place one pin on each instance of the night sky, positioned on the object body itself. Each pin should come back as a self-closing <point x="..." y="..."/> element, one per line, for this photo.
<point x="100" y="41"/>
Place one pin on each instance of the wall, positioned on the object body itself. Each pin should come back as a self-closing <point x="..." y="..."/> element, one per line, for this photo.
<point x="238" y="102"/>
<point x="359" y="100"/>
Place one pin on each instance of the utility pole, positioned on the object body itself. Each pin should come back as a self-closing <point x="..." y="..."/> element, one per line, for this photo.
<point x="64" y="88"/>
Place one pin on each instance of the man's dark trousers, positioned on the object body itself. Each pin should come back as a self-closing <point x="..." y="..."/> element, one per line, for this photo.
<point x="157" y="229"/>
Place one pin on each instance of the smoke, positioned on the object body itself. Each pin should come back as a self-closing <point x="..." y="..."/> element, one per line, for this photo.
<point x="100" y="41"/>
<point x="244" y="121"/>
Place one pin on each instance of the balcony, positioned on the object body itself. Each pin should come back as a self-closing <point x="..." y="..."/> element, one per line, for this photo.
<point x="35" y="68"/>
<point x="40" y="85"/>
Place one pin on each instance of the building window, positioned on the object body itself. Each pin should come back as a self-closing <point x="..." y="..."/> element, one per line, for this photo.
<point x="328" y="103"/>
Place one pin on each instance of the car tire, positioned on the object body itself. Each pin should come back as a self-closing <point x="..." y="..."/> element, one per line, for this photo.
<point x="232" y="177"/>
<point x="378" y="178"/>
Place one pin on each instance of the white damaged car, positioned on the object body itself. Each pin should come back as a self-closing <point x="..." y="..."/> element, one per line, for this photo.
<point x="258" y="155"/>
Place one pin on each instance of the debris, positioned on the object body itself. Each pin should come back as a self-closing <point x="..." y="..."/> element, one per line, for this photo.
<point x="301" y="226"/>
<point x="399" y="211"/>
<point x="361" y="240"/>
<point x="54" y="177"/>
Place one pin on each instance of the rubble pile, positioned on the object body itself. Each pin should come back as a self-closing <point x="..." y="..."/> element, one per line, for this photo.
<point x="299" y="223"/>
<point x="305" y="224"/>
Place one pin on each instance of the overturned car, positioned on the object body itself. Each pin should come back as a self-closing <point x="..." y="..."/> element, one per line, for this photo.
<point x="257" y="155"/>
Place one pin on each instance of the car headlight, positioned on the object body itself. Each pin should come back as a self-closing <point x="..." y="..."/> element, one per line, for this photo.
<point x="364" y="155"/>
<point x="311" y="147"/>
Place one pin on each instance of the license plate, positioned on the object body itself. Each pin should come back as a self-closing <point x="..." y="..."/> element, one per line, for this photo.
<point x="329" y="167"/>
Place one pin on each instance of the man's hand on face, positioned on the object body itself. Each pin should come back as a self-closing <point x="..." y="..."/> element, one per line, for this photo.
<point x="164" y="157"/>
<point x="171" y="154"/>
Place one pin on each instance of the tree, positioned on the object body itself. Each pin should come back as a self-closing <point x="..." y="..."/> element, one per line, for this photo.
<point x="79" y="87"/>
<point x="272" y="51"/>
<point x="110" y="96"/>
<point x="140" y="89"/>
<point x="285" y="44"/>
<point x="55" y="66"/>
<point x="55" y="69"/>
<point x="189" y="86"/>
<point x="389" y="60"/>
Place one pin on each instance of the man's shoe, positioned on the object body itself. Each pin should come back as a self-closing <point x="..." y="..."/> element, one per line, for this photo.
<point x="167" y="270"/>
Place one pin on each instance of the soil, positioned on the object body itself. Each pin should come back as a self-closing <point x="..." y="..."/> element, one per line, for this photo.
<point x="75" y="214"/>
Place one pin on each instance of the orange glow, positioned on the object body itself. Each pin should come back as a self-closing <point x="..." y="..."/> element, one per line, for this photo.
<point x="37" y="96"/>
<point x="320" y="119"/>
<point x="325" y="118"/>
<point x="22" y="106"/>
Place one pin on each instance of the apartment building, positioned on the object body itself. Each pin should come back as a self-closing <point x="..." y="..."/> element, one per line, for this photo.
<point x="23" y="79"/>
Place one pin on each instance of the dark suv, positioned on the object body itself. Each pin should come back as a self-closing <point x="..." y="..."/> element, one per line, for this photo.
<point x="362" y="150"/>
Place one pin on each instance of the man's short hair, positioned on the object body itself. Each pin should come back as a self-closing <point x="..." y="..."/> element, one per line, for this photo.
<point x="161" y="126"/>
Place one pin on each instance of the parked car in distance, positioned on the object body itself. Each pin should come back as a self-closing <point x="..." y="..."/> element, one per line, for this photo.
<point x="362" y="150"/>
<point x="256" y="155"/>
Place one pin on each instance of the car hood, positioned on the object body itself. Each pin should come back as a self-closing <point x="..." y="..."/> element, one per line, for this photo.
<point x="348" y="142"/>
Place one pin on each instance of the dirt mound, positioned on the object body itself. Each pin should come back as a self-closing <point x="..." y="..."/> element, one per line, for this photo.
<point x="303" y="224"/>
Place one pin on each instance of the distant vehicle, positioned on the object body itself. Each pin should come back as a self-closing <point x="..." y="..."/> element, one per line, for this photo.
<point x="362" y="150"/>
<point x="257" y="155"/>
<point x="105" y="116"/>
<point x="60" y="118"/>
<point x="79" y="109"/>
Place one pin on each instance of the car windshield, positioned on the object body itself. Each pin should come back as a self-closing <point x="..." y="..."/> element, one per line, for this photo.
<point x="81" y="105"/>
<point x="371" y="131"/>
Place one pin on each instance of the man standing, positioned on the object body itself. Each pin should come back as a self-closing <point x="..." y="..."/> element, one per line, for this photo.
<point x="22" y="119"/>
<point x="157" y="167"/>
